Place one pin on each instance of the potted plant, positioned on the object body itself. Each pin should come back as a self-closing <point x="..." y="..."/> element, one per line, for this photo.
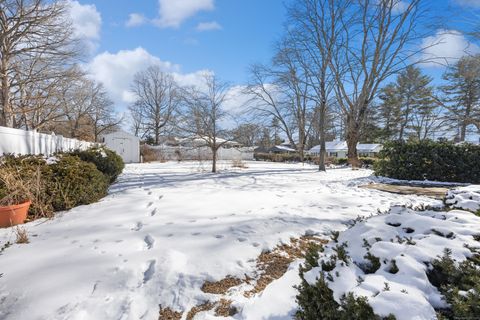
<point x="14" y="200"/>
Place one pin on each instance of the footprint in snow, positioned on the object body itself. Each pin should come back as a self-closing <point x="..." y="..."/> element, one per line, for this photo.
<point x="149" y="271"/>
<point x="153" y="212"/>
<point x="138" y="226"/>
<point x="196" y="233"/>
<point x="149" y="204"/>
<point x="170" y="235"/>
<point x="150" y="193"/>
<point x="160" y="197"/>
<point x="192" y="221"/>
<point x="256" y="244"/>
<point x="241" y="239"/>
<point x="219" y="236"/>
<point x="149" y="241"/>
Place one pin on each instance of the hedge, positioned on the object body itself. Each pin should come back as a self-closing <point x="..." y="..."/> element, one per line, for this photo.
<point x="429" y="160"/>
<point x="106" y="160"/>
<point x="63" y="181"/>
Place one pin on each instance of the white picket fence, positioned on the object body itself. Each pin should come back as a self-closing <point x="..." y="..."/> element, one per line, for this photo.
<point x="23" y="142"/>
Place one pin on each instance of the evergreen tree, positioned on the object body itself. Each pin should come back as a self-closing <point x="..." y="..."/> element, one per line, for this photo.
<point x="463" y="94"/>
<point x="408" y="106"/>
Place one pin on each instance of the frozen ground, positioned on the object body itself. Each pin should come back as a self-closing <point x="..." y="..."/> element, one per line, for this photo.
<point x="166" y="228"/>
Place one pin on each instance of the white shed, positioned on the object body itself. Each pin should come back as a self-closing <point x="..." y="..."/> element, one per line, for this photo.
<point x="123" y="143"/>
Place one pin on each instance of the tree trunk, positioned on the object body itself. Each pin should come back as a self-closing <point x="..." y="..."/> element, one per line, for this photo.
<point x="5" y="97"/>
<point x="214" y="160"/>
<point x="323" y="149"/>
<point x="353" y="136"/>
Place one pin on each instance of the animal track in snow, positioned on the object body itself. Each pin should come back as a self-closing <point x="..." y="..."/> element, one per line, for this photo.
<point x="160" y="197"/>
<point x="153" y="212"/>
<point x="219" y="236"/>
<point x="149" y="241"/>
<point x="256" y="244"/>
<point x="196" y="233"/>
<point x="242" y="239"/>
<point x="149" y="204"/>
<point x="149" y="272"/>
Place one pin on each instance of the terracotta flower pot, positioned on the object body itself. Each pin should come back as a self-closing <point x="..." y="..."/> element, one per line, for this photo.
<point x="14" y="214"/>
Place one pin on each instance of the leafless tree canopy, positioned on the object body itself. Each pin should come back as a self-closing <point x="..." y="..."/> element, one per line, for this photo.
<point x="36" y="47"/>
<point x="201" y="114"/>
<point x="156" y="94"/>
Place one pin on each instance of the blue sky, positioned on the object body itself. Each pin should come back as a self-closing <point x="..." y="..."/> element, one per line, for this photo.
<point x="248" y="28"/>
<point x="187" y="37"/>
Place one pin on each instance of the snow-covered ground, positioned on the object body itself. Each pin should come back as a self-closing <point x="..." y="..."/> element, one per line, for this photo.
<point x="165" y="229"/>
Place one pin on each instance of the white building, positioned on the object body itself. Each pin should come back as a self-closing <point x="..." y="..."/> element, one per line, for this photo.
<point x="339" y="149"/>
<point x="123" y="143"/>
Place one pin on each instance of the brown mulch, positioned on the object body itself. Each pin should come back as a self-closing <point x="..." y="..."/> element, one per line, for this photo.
<point x="222" y="286"/>
<point x="169" y="314"/>
<point x="224" y="308"/>
<point x="432" y="192"/>
<point x="271" y="266"/>
<point x="274" y="264"/>
<point x="200" y="308"/>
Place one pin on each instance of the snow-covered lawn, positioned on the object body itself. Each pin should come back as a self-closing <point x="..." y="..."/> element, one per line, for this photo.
<point x="166" y="228"/>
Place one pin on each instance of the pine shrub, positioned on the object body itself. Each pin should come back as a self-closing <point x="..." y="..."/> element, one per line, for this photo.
<point x="75" y="182"/>
<point x="107" y="161"/>
<point x="460" y="285"/>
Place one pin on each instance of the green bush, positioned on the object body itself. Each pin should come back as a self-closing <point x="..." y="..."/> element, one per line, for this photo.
<point x="75" y="182"/>
<point x="317" y="302"/>
<point x="341" y="161"/>
<point x="437" y="161"/>
<point x="106" y="160"/>
<point x="460" y="285"/>
<point x="368" y="162"/>
<point x="63" y="183"/>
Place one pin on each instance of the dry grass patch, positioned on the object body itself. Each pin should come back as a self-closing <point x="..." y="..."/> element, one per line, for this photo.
<point x="239" y="164"/>
<point x="207" y="306"/>
<point x="274" y="264"/>
<point x="169" y="314"/>
<point x="224" y="308"/>
<point x="21" y="234"/>
<point x="222" y="286"/>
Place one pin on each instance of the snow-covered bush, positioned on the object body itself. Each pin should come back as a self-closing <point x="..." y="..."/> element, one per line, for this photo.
<point x="436" y="161"/>
<point x="106" y="160"/>
<point x="393" y="260"/>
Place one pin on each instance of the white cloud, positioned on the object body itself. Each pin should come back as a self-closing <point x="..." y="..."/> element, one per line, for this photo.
<point x="117" y="70"/>
<point x="174" y="12"/>
<point x="208" y="26"/>
<point x="400" y="7"/>
<point x="135" y="20"/>
<point x="469" y="3"/>
<point x="87" y="22"/>
<point x="445" y="47"/>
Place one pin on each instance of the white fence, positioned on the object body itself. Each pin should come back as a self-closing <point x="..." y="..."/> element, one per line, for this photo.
<point x="201" y="153"/>
<point x="31" y="142"/>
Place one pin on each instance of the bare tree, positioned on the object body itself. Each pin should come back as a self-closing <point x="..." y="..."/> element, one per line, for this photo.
<point x="315" y="34"/>
<point x="374" y="41"/>
<point x="34" y="36"/>
<point x="248" y="134"/>
<point x="268" y="101"/>
<point x="156" y="94"/>
<point x="103" y="116"/>
<point x="203" y="113"/>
